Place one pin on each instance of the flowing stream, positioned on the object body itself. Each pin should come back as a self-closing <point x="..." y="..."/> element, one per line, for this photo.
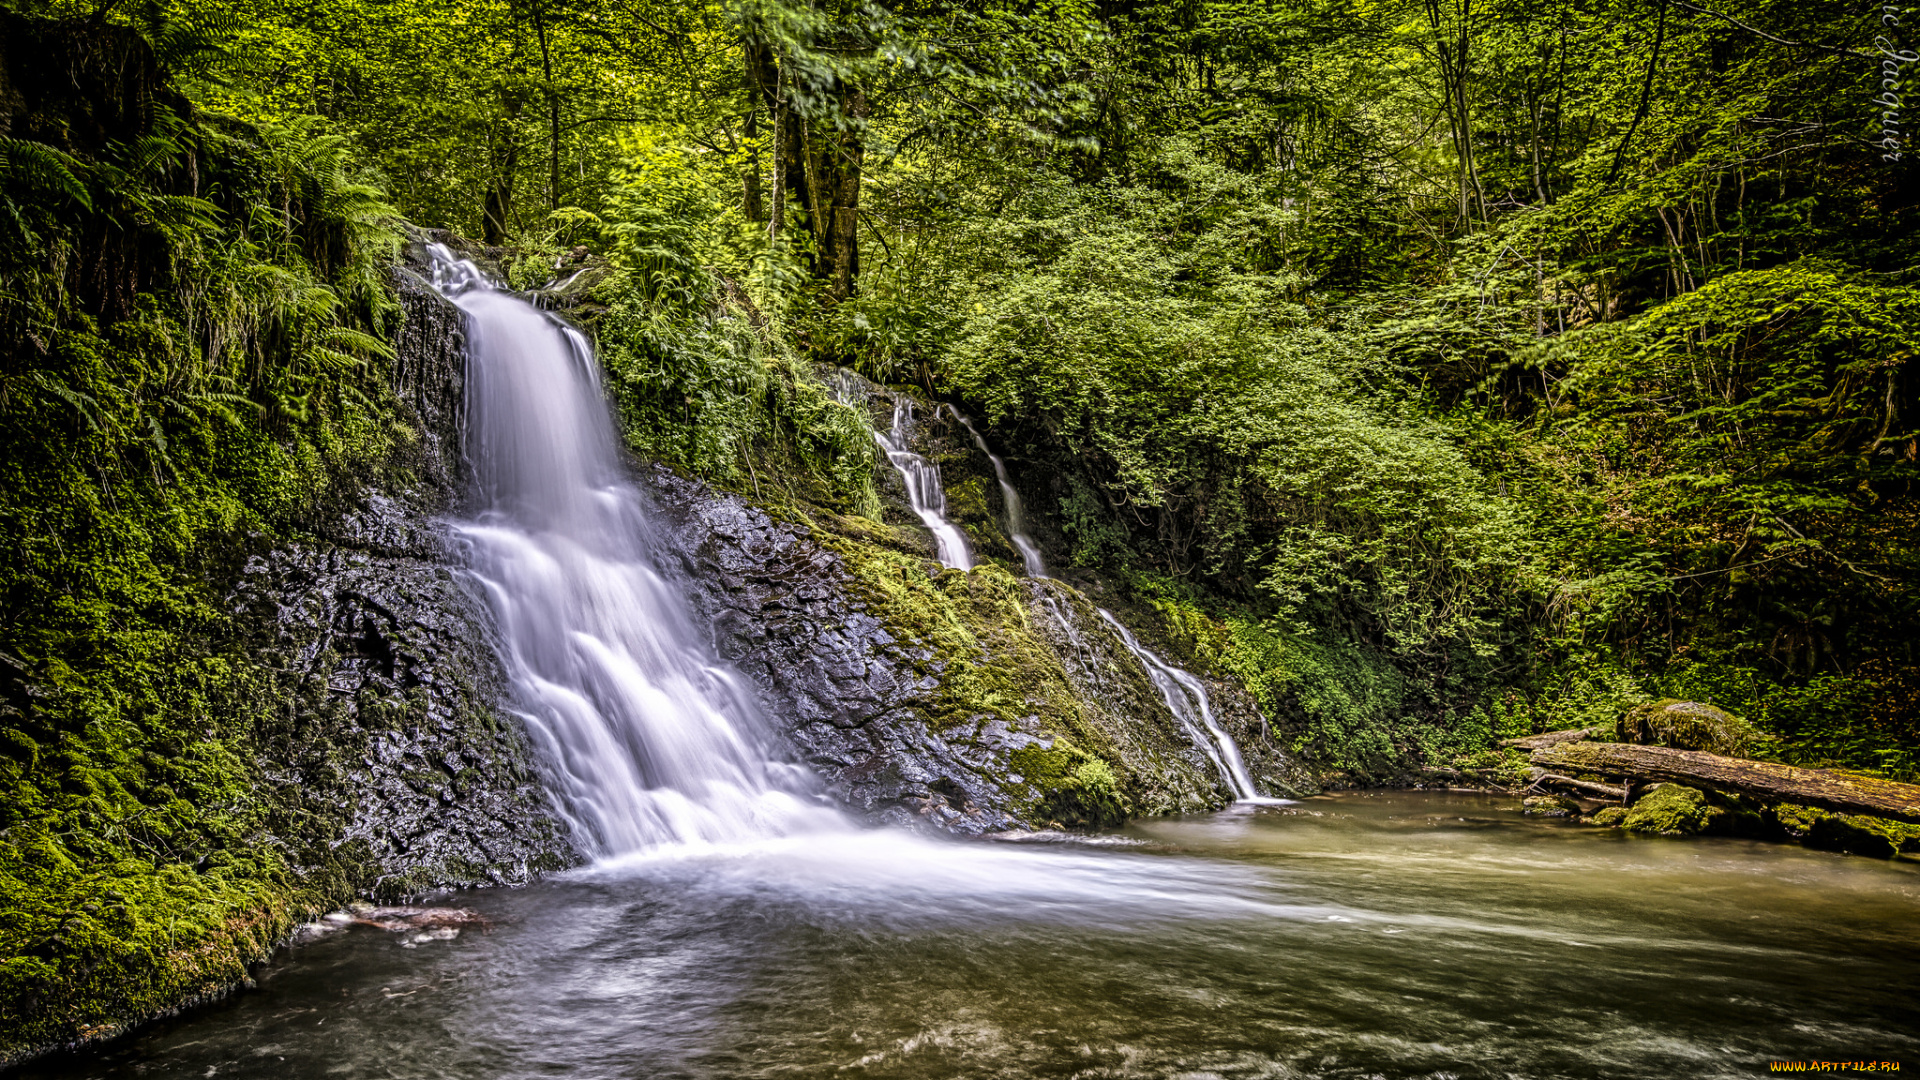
<point x="924" y="493"/>
<point x="1402" y="935"/>
<point x="1016" y="512"/>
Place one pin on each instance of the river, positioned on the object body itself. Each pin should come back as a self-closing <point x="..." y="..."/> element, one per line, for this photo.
<point x="1394" y="934"/>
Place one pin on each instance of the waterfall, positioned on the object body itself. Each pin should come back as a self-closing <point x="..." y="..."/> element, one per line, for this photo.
<point x="924" y="493"/>
<point x="645" y="737"/>
<point x="1016" y="515"/>
<point x="1187" y="699"/>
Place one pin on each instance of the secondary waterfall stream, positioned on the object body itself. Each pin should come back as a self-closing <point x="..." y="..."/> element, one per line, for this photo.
<point x="924" y="491"/>
<point x="1184" y="695"/>
<point x="1187" y="699"/>
<point x="1016" y="511"/>
<point x="647" y="738"/>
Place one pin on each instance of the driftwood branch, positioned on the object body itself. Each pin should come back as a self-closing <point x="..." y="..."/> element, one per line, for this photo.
<point x="1823" y="788"/>
<point x="1605" y="791"/>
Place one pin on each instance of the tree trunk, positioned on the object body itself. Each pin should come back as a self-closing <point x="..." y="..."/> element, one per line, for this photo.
<point x="752" y="203"/>
<point x="553" y="110"/>
<point x="817" y="168"/>
<point x="1822" y="788"/>
<point x="835" y="156"/>
<point x="498" y="203"/>
<point x="763" y="88"/>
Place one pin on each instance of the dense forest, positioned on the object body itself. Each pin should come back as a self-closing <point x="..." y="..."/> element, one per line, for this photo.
<point x="1493" y="361"/>
<point x="1442" y="370"/>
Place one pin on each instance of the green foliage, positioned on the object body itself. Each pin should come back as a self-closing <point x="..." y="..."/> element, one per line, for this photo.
<point x="195" y="319"/>
<point x="1225" y="430"/>
<point x="700" y="372"/>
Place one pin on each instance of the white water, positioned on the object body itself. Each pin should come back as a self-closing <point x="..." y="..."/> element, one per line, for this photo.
<point x="1187" y="699"/>
<point x="924" y="493"/>
<point x="646" y="738"/>
<point x="1016" y="514"/>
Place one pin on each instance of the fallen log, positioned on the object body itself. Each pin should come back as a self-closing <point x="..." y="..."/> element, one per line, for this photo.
<point x="1823" y="788"/>
<point x="1552" y="738"/>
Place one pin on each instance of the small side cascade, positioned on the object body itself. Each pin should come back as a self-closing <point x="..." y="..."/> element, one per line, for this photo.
<point x="1016" y="514"/>
<point x="1187" y="699"/>
<point x="922" y="477"/>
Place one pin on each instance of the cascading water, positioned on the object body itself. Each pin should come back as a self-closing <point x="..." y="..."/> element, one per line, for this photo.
<point x="1188" y="702"/>
<point x="645" y="737"/>
<point x="1016" y="515"/>
<point x="924" y="493"/>
<point x="1184" y="695"/>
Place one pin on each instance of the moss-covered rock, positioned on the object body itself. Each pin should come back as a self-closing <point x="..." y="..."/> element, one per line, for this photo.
<point x="1685" y="725"/>
<point x="1608" y="816"/>
<point x="1671" y="810"/>
<point x="1550" y="806"/>
<point x="1851" y="833"/>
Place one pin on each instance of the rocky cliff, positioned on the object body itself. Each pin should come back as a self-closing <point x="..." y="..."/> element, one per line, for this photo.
<point x="397" y="722"/>
<point x="966" y="702"/>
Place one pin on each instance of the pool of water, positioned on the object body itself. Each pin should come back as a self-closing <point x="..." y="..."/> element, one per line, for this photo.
<point x="1398" y="934"/>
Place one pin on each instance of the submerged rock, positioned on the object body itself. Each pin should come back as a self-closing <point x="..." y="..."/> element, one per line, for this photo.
<point x="1851" y="833"/>
<point x="1608" y="816"/>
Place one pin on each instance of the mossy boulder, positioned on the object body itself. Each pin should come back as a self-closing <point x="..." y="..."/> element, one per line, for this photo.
<point x="1608" y="816"/>
<point x="1076" y="788"/>
<point x="1854" y="834"/>
<point x="1686" y="725"/>
<point x="1551" y="806"/>
<point x="1671" y="810"/>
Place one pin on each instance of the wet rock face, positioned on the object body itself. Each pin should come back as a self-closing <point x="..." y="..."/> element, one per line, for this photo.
<point x="838" y="685"/>
<point x="1171" y="774"/>
<point x="394" y="722"/>
<point x="855" y="701"/>
<point x="430" y="376"/>
<point x="394" y="729"/>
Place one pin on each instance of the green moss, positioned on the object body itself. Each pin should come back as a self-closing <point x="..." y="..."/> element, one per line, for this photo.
<point x="1685" y="725"/>
<point x="1075" y="787"/>
<point x="1671" y="810"/>
<point x="1855" y="834"/>
<point x="144" y="452"/>
<point x="1608" y="816"/>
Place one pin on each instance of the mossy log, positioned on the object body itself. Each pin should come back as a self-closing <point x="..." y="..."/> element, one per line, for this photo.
<point x="1824" y="788"/>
